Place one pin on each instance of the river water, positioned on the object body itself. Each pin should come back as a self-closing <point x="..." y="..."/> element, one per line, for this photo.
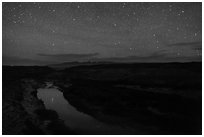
<point x="77" y="121"/>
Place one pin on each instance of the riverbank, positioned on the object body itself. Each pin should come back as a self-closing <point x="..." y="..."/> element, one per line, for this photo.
<point x="24" y="113"/>
<point x="152" y="98"/>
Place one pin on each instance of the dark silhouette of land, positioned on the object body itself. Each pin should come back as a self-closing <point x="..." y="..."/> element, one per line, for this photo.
<point x="156" y="98"/>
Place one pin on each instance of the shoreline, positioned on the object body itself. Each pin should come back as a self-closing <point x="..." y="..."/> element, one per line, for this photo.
<point x="32" y="110"/>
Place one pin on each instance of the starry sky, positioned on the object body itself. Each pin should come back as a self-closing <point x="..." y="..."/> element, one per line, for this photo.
<point x="44" y="33"/>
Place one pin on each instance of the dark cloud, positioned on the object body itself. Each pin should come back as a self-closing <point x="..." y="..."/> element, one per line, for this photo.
<point x="7" y="60"/>
<point x="194" y="45"/>
<point x="68" y="57"/>
<point x="160" y="56"/>
<point x="153" y="57"/>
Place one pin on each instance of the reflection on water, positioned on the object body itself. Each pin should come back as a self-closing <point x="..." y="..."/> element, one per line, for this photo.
<point x="77" y="121"/>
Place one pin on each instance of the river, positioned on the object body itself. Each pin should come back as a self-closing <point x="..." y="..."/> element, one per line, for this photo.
<point x="79" y="122"/>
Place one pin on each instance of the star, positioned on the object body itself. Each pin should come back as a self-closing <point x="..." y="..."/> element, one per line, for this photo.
<point x="98" y="17"/>
<point x="195" y="34"/>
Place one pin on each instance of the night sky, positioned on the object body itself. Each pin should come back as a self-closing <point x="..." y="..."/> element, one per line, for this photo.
<point x="44" y="33"/>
